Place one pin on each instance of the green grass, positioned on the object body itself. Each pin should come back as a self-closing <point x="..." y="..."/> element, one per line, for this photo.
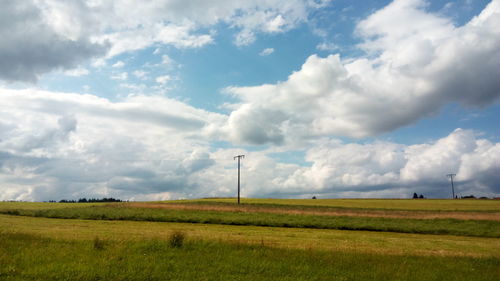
<point x="28" y="257"/>
<point x="479" y="228"/>
<point x="130" y="243"/>
<point x="388" y="243"/>
<point x="8" y="205"/>
<point x="384" y="204"/>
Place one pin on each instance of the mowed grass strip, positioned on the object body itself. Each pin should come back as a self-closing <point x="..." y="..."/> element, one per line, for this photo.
<point x="387" y="243"/>
<point x="28" y="257"/>
<point x="479" y="228"/>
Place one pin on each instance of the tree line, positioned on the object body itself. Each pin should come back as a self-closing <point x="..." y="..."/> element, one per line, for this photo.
<point x="85" y="200"/>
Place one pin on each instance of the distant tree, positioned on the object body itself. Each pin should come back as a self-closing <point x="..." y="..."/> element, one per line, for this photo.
<point x="415" y="196"/>
<point x="314" y="197"/>
<point x="421" y="196"/>
<point x="90" y="200"/>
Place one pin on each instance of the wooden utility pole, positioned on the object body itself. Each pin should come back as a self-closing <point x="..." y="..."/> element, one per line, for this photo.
<point x="239" y="158"/>
<point x="452" y="188"/>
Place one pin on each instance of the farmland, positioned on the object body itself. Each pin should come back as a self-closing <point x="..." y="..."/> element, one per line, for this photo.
<point x="261" y="239"/>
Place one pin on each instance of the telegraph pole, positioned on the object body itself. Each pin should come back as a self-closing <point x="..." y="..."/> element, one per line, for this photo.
<point x="239" y="158"/>
<point x="452" y="188"/>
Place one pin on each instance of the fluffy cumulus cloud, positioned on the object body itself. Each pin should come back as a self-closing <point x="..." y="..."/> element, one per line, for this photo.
<point x="139" y="24"/>
<point x="42" y="36"/>
<point x="142" y="147"/>
<point x="389" y="166"/>
<point x="60" y="154"/>
<point x="409" y="72"/>
<point x="379" y="169"/>
<point x="64" y="145"/>
<point x="57" y="145"/>
<point x="32" y="45"/>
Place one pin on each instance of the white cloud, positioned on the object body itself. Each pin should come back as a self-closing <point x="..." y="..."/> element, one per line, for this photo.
<point x="276" y="24"/>
<point x="135" y="89"/>
<point x="100" y="62"/>
<point x="266" y="52"/>
<point x="41" y="36"/>
<point x="55" y="145"/>
<point x="180" y="36"/>
<point x="166" y="60"/>
<point x="76" y="72"/>
<point x="34" y="43"/>
<point x="118" y="64"/>
<point x="417" y="63"/>
<point x="172" y="22"/>
<point x="163" y="79"/>
<point x="245" y="37"/>
<point x="324" y="46"/>
<point x="382" y="169"/>
<point x="141" y="74"/>
<point x="120" y="76"/>
<point x="269" y="17"/>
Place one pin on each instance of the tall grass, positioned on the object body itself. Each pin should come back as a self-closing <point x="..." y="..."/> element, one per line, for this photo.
<point x="26" y="257"/>
<point x="433" y="226"/>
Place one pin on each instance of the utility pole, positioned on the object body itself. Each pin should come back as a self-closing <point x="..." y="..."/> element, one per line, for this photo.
<point x="452" y="188"/>
<point x="239" y="158"/>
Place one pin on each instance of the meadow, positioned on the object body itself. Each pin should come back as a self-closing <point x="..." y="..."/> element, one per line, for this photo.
<point x="262" y="239"/>
<point x="386" y="204"/>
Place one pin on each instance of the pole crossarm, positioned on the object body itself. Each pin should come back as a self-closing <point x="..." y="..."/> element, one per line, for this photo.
<point x="239" y="158"/>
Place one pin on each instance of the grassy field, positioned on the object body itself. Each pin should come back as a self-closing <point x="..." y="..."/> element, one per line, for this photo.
<point x="233" y="247"/>
<point x="42" y="205"/>
<point x="27" y="257"/>
<point x="121" y="211"/>
<point x="289" y="238"/>
<point x="438" y="205"/>
<point x="384" y="204"/>
<point x="317" y="210"/>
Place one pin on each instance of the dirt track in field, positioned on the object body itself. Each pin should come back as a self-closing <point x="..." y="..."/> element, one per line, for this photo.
<point x="349" y="212"/>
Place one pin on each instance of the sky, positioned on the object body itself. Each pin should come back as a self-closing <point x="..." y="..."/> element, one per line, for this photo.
<point x="151" y="100"/>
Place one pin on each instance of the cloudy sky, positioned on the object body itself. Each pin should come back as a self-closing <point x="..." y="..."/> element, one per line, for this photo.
<point x="149" y="100"/>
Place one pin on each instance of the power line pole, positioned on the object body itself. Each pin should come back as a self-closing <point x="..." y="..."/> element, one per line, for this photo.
<point x="451" y="179"/>
<point x="239" y="158"/>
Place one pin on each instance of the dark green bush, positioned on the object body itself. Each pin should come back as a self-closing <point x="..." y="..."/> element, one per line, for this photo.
<point x="98" y="243"/>
<point x="176" y="239"/>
